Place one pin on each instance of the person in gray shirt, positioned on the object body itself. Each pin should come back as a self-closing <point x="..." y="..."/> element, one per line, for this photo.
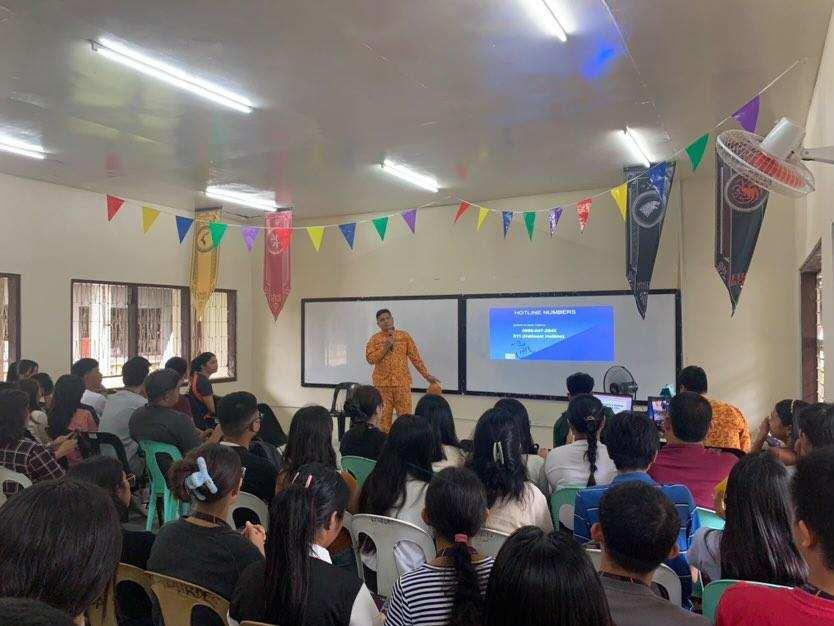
<point x="637" y="530"/>
<point x="120" y="407"/>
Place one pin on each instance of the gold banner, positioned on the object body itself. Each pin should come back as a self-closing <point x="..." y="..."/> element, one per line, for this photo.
<point x="205" y="260"/>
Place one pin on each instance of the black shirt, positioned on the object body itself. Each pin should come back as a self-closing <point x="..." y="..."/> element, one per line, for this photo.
<point x="362" y="440"/>
<point x="260" y="476"/>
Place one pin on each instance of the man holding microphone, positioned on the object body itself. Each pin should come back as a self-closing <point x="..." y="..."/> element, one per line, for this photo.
<point x="389" y="351"/>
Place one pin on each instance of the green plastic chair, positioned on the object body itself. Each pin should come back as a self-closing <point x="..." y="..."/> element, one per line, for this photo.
<point x="359" y="467"/>
<point x="564" y="497"/>
<point x="171" y="507"/>
<point x="714" y="591"/>
<point x="710" y="519"/>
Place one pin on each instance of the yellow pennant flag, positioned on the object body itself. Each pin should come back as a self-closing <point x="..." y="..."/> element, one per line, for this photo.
<point x="149" y="216"/>
<point x="620" y="195"/>
<point x="316" y="235"/>
<point x="482" y="215"/>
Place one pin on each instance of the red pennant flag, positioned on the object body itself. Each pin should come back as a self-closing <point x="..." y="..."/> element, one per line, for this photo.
<point x="583" y="212"/>
<point x="113" y="206"/>
<point x="461" y="210"/>
<point x="277" y="268"/>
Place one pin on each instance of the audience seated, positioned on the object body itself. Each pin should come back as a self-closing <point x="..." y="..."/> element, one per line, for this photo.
<point x="448" y="451"/>
<point x="87" y="370"/>
<point x="47" y="387"/>
<point x="775" y="433"/>
<point x="585" y="461"/>
<point x="814" y="428"/>
<point x="450" y="588"/>
<point x="202" y="549"/>
<point x="180" y="366"/>
<point x="542" y="578"/>
<point x="637" y="530"/>
<point x="577" y="384"/>
<point x="25" y="612"/>
<point x="684" y="460"/>
<point x="238" y="417"/>
<point x="201" y="393"/>
<point x="363" y="438"/>
<point x="59" y="543"/>
<point x="533" y="456"/>
<point x="38" y="420"/>
<point x="121" y="405"/>
<point x="297" y="585"/>
<point x="756" y="542"/>
<point x="496" y="459"/>
<point x="68" y="415"/>
<point x="812" y="491"/>
<point x="397" y="486"/>
<point x="729" y="427"/>
<point x="21" y="370"/>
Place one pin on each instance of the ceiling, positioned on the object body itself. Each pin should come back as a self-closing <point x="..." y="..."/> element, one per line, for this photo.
<point x="470" y="91"/>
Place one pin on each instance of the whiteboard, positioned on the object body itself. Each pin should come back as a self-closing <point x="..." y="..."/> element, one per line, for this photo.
<point x="335" y="332"/>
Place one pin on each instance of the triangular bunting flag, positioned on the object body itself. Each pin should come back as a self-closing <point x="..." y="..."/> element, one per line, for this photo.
<point x="696" y="150"/>
<point x="657" y="176"/>
<point x="530" y="223"/>
<point x="381" y="225"/>
<point x="410" y="218"/>
<point x="506" y="221"/>
<point x="250" y="234"/>
<point x="583" y="213"/>
<point x="619" y="193"/>
<point x="218" y="231"/>
<point x="316" y="234"/>
<point x="461" y="210"/>
<point x="748" y="115"/>
<point x="113" y="206"/>
<point x="553" y="217"/>
<point x="482" y="215"/>
<point x="348" y="232"/>
<point x="149" y="216"/>
<point x="183" y="226"/>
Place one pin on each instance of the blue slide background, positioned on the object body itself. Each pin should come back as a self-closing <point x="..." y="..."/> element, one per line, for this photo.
<point x="582" y="333"/>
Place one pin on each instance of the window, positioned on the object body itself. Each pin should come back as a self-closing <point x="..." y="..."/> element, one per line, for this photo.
<point x="9" y="320"/>
<point x="217" y="332"/>
<point x="810" y="301"/>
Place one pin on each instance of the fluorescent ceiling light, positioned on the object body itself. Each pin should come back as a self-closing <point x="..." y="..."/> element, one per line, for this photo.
<point x="401" y="171"/>
<point x="21" y="148"/>
<point x="171" y="75"/>
<point x="243" y="199"/>
<point x="544" y="14"/>
<point x="637" y="146"/>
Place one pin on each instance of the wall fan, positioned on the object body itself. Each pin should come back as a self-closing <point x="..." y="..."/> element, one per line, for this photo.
<point x="618" y="380"/>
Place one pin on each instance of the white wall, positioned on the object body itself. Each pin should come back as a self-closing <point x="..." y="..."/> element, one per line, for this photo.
<point x="53" y="234"/>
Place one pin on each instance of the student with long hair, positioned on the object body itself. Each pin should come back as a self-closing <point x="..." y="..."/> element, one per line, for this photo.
<point x="201" y="393"/>
<point x="297" y="585"/>
<point x="47" y="387"/>
<point x="68" y="415"/>
<point x="448" y="451"/>
<point x="38" y="420"/>
<point x="585" y="462"/>
<point x="448" y="590"/>
<point x="21" y="370"/>
<point x="181" y="367"/>
<point x="59" y="543"/>
<point x="533" y="456"/>
<point x="496" y="459"/>
<point x="813" y="428"/>
<point x="94" y="396"/>
<point x="544" y="579"/>
<point x="25" y="612"/>
<point x="756" y="543"/>
<point x="775" y="432"/>
<point x="364" y="437"/>
<point x="202" y="548"/>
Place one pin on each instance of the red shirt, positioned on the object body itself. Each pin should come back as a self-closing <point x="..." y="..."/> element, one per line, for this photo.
<point x="755" y="605"/>
<point x="695" y="466"/>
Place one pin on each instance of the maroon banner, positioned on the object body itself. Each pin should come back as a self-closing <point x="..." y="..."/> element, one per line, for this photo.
<point x="277" y="260"/>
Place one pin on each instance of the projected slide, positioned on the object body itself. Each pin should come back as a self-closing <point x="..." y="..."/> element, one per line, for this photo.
<point x="547" y="333"/>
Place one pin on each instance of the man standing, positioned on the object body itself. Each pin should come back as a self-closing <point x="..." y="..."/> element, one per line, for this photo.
<point x="389" y="351"/>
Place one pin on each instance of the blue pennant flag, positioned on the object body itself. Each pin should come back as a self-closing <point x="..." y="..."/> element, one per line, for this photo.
<point x="506" y="220"/>
<point x="657" y="176"/>
<point x="183" y="226"/>
<point x="349" y="232"/>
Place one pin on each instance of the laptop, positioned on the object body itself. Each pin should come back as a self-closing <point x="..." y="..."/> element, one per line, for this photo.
<point x="616" y="403"/>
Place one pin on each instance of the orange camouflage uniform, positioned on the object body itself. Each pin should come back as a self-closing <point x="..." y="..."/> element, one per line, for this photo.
<point x="391" y="374"/>
<point x="728" y="429"/>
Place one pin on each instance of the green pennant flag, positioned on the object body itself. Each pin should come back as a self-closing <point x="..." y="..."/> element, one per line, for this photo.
<point x="530" y="223"/>
<point x="696" y="150"/>
<point x="381" y="225"/>
<point x="218" y="230"/>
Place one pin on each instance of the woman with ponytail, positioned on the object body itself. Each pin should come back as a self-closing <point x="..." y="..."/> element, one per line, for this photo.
<point x="202" y="548"/>
<point x="364" y="438"/>
<point x="200" y="391"/>
<point x="297" y="585"/>
<point x="448" y="590"/>
<point x="585" y="462"/>
<point x="21" y="370"/>
<point x="496" y="459"/>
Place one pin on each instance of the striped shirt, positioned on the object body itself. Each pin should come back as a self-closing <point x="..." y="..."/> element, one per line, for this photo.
<point x="424" y="597"/>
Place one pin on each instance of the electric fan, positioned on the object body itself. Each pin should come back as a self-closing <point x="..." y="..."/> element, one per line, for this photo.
<point x="775" y="161"/>
<point x="618" y="380"/>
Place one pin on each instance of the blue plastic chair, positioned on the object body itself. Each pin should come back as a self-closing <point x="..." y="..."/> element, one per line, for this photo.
<point x="564" y="497"/>
<point x="710" y="519"/>
<point x="171" y="507"/>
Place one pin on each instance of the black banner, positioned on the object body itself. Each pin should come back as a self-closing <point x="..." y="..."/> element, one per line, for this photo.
<point x="739" y="212"/>
<point x="647" y="199"/>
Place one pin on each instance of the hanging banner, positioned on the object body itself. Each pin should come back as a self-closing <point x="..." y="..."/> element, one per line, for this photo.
<point x="149" y="216"/>
<point x="218" y="231"/>
<point x="250" y="234"/>
<point x="647" y="198"/>
<point x="530" y="223"/>
<point x="462" y="207"/>
<point x="316" y="234"/>
<point x="113" y="206"/>
<point x="506" y="221"/>
<point x="619" y="193"/>
<point x="381" y="227"/>
<point x="348" y="232"/>
<point x="183" y="226"/>
<point x="410" y="218"/>
<point x="277" y="260"/>
<point x="739" y="212"/>
<point x="205" y="260"/>
<point x="583" y="213"/>
<point x="695" y="150"/>
<point x="553" y="217"/>
<point x="748" y="115"/>
<point x="482" y="215"/>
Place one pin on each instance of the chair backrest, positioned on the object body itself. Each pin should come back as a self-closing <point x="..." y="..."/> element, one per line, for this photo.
<point x="107" y="444"/>
<point x="251" y="503"/>
<point x="8" y="476"/>
<point x="359" y="467"/>
<point x="103" y="611"/>
<point x="488" y="541"/>
<point x="386" y="533"/>
<point x="151" y="449"/>
<point x="715" y="590"/>
<point x="709" y="519"/>
<point x="178" y="598"/>
<point x="561" y="506"/>
<point x="338" y="411"/>
<point x="664" y="576"/>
